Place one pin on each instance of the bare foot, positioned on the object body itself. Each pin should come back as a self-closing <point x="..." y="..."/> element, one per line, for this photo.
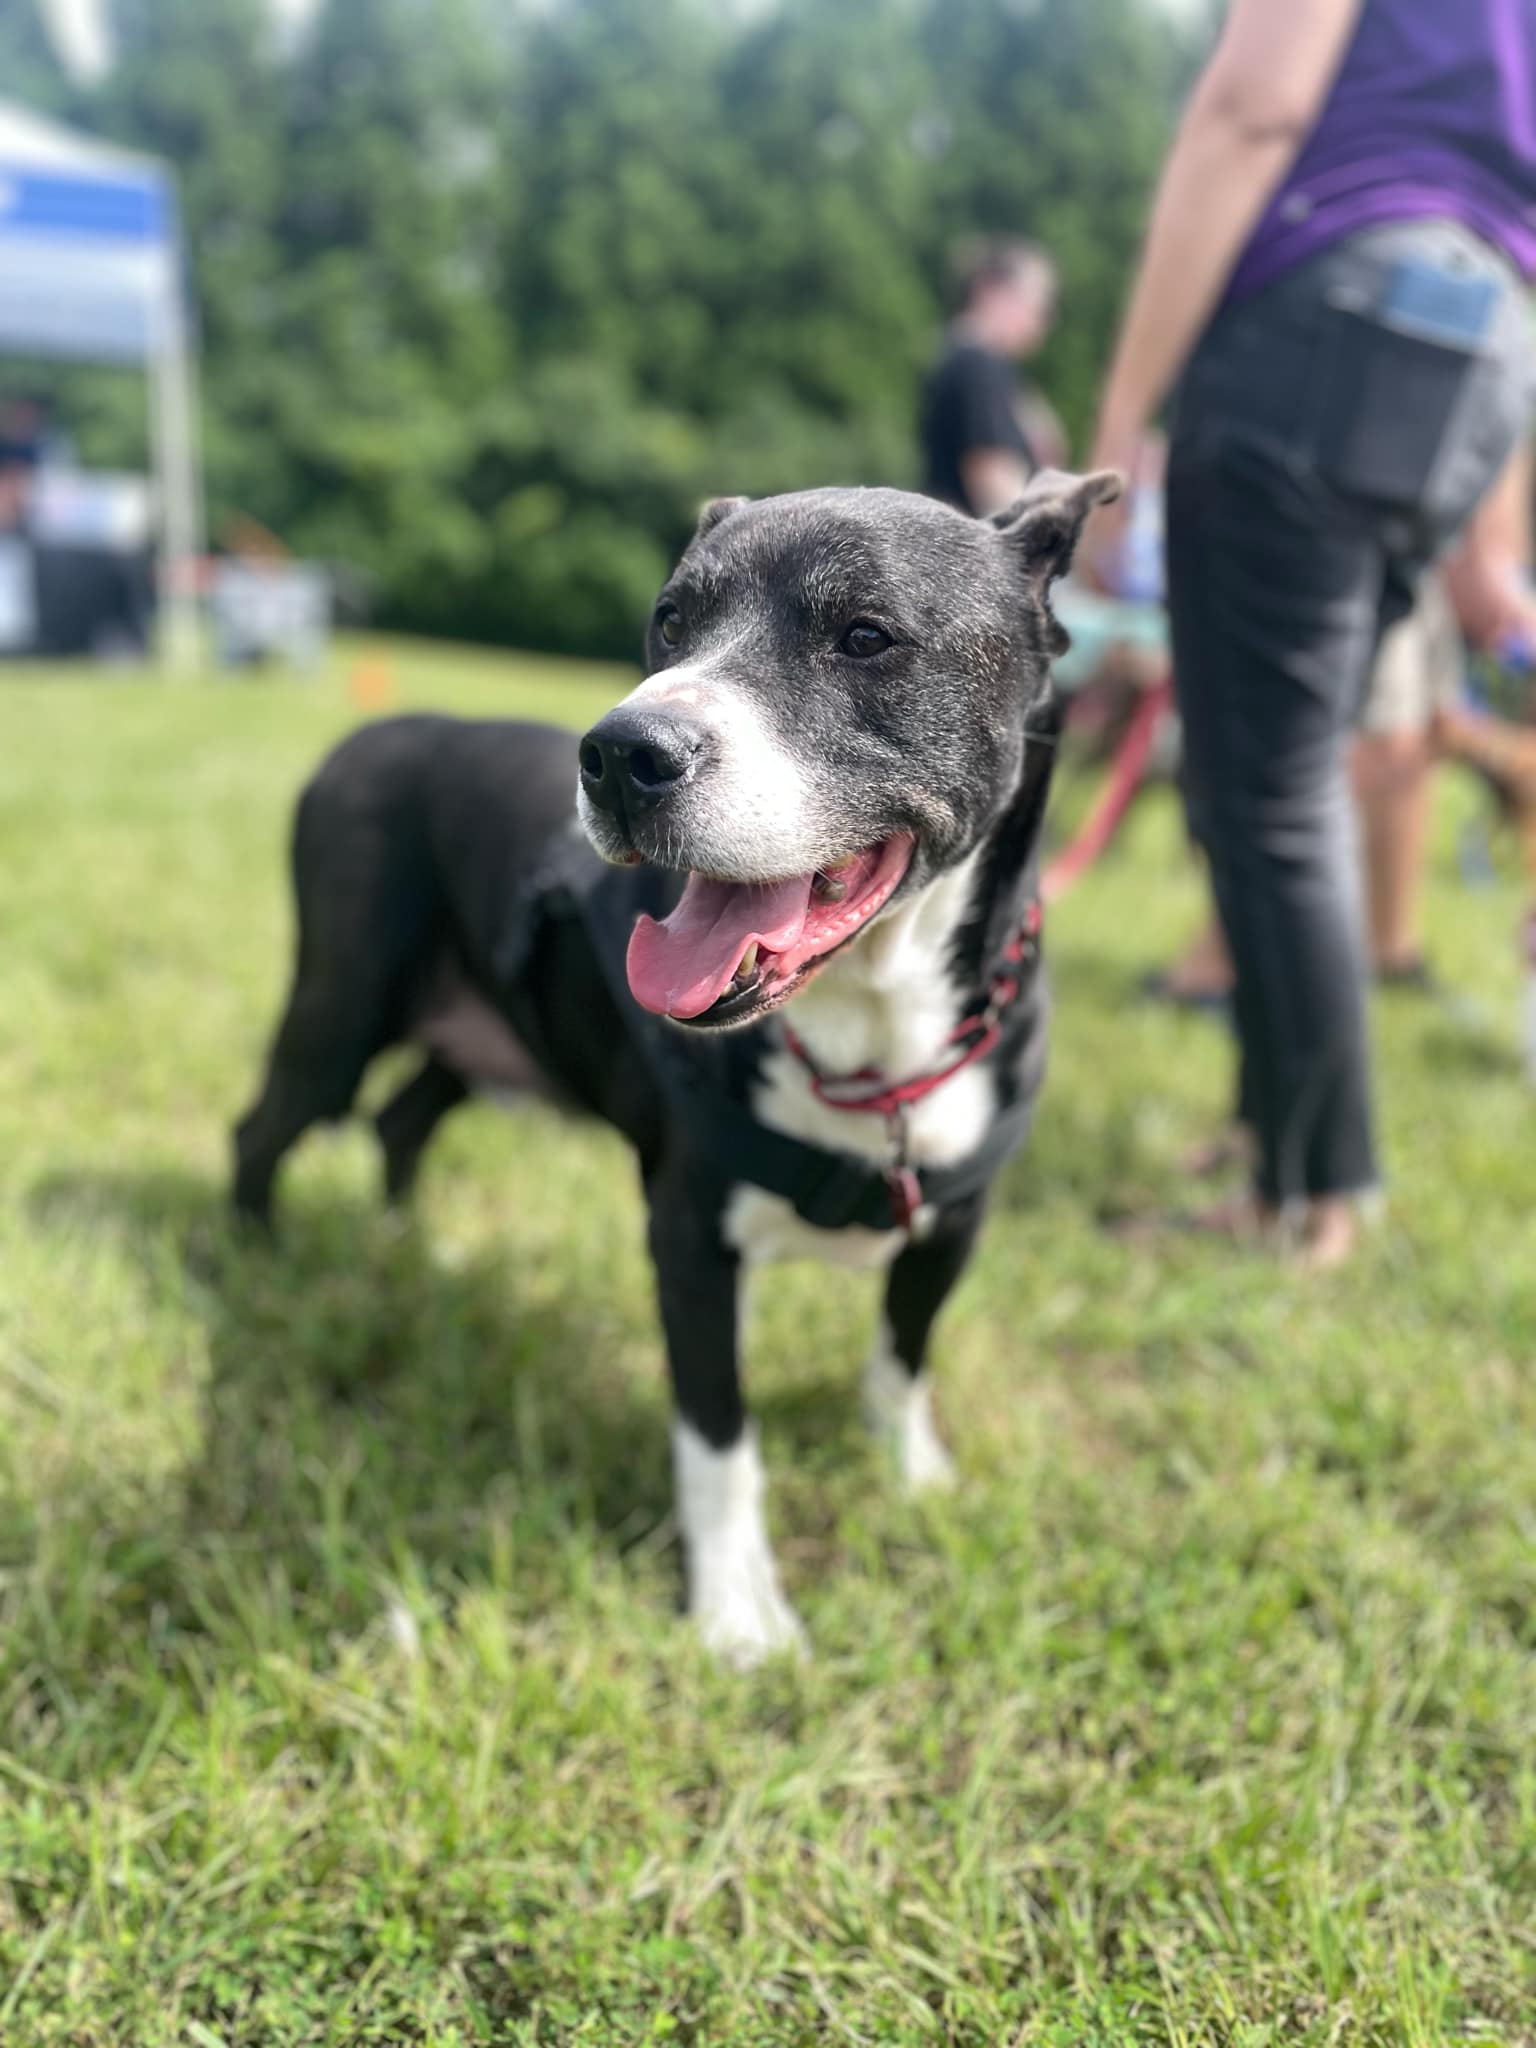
<point x="1240" y="1220"/>
<point x="1325" y="1237"/>
<point x="1329" y="1234"/>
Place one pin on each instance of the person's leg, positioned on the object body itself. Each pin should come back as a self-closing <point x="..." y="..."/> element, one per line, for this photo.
<point x="1275" y="597"/>
<point x="1419" y="667"/>
<point x="1391" y="773"/>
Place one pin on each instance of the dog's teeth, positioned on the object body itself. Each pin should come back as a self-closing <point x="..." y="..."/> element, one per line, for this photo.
<point x="827" y="888"/>
<point x="747" y="964"/>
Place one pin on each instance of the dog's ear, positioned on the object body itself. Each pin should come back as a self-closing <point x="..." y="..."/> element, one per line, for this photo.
<point x="713" y="510"/>
<point x="1043" y="525"/>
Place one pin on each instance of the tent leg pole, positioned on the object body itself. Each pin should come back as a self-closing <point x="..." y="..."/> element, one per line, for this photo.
<point x="172" y="417"/>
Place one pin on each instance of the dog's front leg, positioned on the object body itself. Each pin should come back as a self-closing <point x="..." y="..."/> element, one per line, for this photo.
<point x="897" y="1384"/>
<point x="734" y="1595"/>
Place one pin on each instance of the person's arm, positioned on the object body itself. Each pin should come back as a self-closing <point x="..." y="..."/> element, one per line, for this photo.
<point x="1489" y="573"/>
<point x="1252" y="109"/>
<point x="993" y="478"/>
<point x="1048" y="442"/>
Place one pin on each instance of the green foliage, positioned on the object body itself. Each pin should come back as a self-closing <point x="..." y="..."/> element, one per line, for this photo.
<point x="29" y="70"/>
<point x="343" y="1697"/>
<point x="493" y="292"/>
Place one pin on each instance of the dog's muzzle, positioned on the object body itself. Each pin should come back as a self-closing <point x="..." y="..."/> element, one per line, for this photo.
<point x="633" y="760"/>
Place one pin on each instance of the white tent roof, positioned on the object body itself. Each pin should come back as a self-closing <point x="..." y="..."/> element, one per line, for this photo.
<point x="88" y="238"/>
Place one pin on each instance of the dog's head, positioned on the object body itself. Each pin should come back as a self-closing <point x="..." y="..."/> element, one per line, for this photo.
<point x="835" y="715"/>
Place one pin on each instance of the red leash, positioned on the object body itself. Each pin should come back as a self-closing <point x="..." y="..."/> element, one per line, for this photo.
<point x="1114" y="800"/>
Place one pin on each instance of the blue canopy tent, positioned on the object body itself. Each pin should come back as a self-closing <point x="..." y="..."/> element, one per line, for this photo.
<point x="90" y="270"/>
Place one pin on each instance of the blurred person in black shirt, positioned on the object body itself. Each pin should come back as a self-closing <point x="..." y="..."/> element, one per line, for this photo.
<point x="984" y="432"/>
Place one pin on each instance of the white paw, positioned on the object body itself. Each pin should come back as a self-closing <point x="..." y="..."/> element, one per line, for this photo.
<point x="899" y="1410"/>
<point x="925" y="1465"/>
<point x="733" y="1587"/>
<point x="742" y="1615"/>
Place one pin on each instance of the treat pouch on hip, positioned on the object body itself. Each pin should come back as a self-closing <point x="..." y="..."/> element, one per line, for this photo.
<point x="1396" y="371"/>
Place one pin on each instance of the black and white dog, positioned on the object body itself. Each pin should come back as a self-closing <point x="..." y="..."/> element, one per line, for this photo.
<point x="828" y="792"/>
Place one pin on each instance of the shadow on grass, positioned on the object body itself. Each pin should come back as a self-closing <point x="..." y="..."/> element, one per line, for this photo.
<point x="1472" y="1046"/>
<point x="369" y="1410"/>
<point x="367" y="1398"/>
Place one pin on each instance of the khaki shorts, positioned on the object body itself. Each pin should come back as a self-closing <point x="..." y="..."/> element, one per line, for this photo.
<point x="1419" y="667"/>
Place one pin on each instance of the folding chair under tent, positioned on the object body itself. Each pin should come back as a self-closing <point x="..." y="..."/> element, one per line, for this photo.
<point x="91" y="271"/>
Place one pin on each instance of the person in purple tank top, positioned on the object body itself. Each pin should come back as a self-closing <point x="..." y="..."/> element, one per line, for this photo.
<point x="1335" y="281"/>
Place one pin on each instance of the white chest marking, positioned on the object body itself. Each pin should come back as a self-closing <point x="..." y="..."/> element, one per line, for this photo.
<point x="888" y="1002"/>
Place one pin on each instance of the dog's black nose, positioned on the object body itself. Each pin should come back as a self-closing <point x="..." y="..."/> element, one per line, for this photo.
<point x="634" y="758"/>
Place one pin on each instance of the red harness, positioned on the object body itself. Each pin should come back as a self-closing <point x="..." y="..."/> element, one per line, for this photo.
<point x="867" y="1092"/>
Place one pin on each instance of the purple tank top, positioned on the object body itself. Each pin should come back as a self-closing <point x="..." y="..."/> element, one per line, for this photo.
<point x="1432" y="116"/>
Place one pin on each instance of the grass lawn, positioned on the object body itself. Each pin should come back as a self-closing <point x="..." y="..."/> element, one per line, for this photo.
<point x="343" y="1693"/>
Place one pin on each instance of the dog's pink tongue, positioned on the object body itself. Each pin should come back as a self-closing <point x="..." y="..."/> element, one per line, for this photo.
<point x="679" y="967"/>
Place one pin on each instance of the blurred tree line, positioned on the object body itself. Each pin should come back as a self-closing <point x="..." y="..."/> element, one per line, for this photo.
<point x="493" y="292"/>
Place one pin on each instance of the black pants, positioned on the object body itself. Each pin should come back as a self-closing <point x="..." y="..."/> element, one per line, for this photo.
<point x="1323" y="452"/>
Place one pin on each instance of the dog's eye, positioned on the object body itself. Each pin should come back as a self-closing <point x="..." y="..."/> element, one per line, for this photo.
<point x="669" y="624"/>
<point x="862" y="640"/>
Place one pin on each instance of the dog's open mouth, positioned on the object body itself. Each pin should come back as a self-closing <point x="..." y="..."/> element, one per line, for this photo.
<point x="731" y="949"/>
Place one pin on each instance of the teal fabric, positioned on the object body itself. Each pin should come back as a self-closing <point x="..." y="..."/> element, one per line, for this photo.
<point x="1097" y="624"/>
